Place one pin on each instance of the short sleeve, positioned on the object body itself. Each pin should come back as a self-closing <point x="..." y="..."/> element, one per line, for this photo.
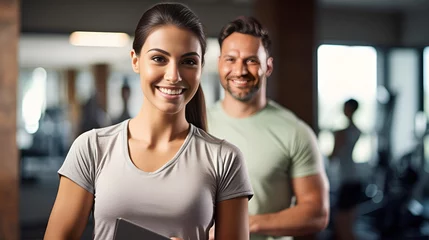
<point x="305" y="155"/>
<point x="79" y="165"/>
<point x="233" y="175"/>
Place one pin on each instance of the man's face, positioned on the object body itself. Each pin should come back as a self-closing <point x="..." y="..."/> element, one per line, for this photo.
<point x="243" y="66"/>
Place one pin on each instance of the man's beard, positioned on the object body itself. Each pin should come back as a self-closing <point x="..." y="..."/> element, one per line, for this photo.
<point x="242" y="97"/>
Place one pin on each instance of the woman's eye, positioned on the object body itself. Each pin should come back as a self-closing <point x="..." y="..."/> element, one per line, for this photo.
<point x="190" y="62"/>
<point x="158" y="59"/>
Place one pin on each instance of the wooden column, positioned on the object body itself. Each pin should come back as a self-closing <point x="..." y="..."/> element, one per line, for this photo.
<point x="9" y="161"/>
<point x="71" y="85"/>
<point x="291" y="25"/>
<point x="101" y="74"/>
<point x="73" y="103"/>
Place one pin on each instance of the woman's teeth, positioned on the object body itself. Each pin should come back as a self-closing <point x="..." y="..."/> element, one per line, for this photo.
<point x="171" y="91"/>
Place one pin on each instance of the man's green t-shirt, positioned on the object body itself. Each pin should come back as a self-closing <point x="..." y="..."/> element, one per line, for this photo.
<point x="277" y="146"/>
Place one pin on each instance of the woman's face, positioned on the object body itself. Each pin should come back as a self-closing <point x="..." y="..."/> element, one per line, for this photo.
<point x="169" y="65"/>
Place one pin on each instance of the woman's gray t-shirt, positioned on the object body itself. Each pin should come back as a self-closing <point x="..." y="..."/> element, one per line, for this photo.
<point x="176" y="200"/>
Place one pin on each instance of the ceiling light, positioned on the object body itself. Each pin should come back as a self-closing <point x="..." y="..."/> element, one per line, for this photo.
<point x="99" y="39"/>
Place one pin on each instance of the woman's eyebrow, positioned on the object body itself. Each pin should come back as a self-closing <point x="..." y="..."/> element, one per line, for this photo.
<point x="168" y="54"/>
<point x="191" y="54"/>
<point x="160" y="50"/>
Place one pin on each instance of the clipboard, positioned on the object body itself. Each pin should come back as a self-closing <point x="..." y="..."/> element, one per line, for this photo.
<point x="127" y="230"/>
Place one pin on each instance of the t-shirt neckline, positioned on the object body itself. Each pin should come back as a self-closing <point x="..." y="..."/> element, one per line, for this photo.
<point x="163" y="167"/>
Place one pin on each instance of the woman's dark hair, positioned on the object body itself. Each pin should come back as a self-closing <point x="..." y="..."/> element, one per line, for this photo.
<point x="181" y="16"/>
<point x="246" y="25"/>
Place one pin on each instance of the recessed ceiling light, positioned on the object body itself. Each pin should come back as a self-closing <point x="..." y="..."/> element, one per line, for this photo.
<point x="99" y="39"/>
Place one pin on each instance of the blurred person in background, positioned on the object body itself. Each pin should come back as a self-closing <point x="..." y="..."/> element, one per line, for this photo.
<point x="125" y="96"/>
<point x="93" y="115"/>
<point x="350" y="186"/>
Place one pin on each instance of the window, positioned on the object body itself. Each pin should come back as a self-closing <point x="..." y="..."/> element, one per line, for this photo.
<point x="403" y="82"/>
<point x="347" y="72"/>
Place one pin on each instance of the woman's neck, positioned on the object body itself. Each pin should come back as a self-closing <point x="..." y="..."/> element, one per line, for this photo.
<point x="154" y="126"/>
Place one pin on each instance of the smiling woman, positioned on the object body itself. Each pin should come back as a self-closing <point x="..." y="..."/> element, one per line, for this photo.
<point x="160" y="169"/>
<point x="169" y="64"/>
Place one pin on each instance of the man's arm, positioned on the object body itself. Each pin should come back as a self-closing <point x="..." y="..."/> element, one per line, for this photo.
<point x="310" y="215"/>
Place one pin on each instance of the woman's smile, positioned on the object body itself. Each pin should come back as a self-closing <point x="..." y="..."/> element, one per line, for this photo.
<point x="171" y="92"/>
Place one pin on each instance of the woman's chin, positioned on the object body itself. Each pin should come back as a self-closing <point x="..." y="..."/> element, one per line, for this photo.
<point x="171" y="109"/>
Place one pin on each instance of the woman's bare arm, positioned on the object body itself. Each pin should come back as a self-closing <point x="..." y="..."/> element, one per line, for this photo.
<point x="232" y="221"/>
<point x="70" y="213"/>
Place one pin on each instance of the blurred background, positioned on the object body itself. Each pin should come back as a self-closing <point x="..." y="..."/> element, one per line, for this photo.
<point x="326" y="51"/>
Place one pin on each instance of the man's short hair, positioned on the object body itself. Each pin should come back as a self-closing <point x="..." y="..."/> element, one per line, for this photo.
<point x="246" y="25"/>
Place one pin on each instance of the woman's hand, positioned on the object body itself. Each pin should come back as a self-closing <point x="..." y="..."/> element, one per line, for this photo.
<point x="175" y="238"/>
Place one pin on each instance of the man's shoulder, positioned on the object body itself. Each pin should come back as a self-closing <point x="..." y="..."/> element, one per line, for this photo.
<point x="276" y="111"/>
<point x="215" y="114"/>
<point x="285" y="122"/>
<point x="214" y="108"/>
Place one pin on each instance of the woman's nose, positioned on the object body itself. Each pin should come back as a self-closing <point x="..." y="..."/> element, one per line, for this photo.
<point x="172" y="74"/>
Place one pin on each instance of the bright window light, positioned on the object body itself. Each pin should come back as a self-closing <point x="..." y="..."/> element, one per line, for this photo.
<point x="33" y="104"/>
<point x="347" y="72"/>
